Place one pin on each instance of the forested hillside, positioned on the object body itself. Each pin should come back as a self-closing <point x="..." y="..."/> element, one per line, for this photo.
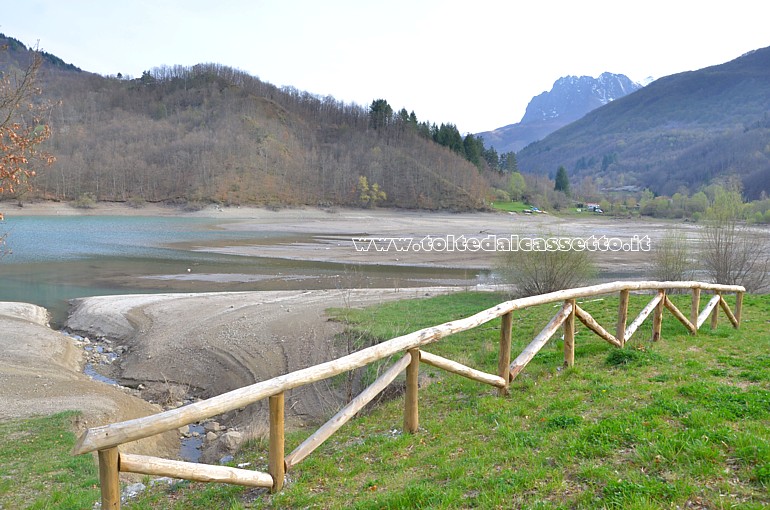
<point x="680" y="131"/>
<point x="210" y="133"/>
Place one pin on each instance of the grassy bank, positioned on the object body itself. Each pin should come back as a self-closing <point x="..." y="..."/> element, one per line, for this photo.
<point x="37" y="470"/>
<point x="684" y="422"/>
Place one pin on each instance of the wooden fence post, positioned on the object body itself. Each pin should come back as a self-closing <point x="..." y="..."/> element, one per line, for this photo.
<point x="411" y="415"/>
<point x="715" y="315"/>
<point x="738" y="307"/>
<point x="569" y="336"/>
<point x="620" y="331"/>
<point x="695" y="308"/>
<point x="504" y="360"/>
<point x="109" y="480"/>
<point x="275" y="463"/>
<point x="657" y="318"/>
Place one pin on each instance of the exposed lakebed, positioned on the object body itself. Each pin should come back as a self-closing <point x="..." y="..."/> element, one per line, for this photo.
<point x="57" y="258"/>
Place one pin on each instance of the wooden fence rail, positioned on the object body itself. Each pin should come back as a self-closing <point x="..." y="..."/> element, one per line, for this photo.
<point x="106" y="439"/>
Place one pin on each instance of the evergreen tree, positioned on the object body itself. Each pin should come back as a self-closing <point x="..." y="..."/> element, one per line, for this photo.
<point x="448" y="136"/>
<point x="474" y="148"/>
<point x="508" y="162"/>
<point x="380" y="114"/>
<point x="491" y="157"/>
<point x="562" y="181"/>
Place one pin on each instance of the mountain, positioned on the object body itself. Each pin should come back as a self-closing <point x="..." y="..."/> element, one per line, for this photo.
<point x="680" y="131"/>
<point x="210" y="133"/>
<point x="570" y="98"/>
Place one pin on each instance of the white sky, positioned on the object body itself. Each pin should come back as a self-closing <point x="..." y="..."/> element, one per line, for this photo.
<point x="472" y="63"/>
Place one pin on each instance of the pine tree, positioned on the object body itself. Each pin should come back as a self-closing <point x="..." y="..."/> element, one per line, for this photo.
<point x="562" y="181"/>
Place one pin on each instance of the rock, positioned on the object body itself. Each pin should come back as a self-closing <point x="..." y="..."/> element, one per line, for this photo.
<point x="211" y="436"/>
<point x="212" y="426"/>
<point x="232" y="440"/>
<point x="184" y="430"/>
<point x="164" y="480"/>
<point x="226" y="459"/>
<point x="133" y="490"/>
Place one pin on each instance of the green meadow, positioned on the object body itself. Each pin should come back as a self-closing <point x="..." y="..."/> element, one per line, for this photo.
<point x="679" y="423"/>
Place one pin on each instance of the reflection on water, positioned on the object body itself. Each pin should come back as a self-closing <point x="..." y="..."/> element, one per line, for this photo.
<point x="59" y="258"/>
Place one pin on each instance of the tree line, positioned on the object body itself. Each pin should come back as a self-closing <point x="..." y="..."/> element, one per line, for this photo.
<point x="211" y="133"/>
<point x="470" y="146"/>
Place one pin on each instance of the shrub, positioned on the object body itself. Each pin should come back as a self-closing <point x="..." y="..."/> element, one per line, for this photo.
<point x="671" y="259"/>
<point x="546" y="270"/>
<point x="85" y="201"/>
<point x="136" y="202"/>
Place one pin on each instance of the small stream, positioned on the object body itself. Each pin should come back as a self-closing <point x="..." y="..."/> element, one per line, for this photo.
<point x="190" y="449"/>
<point x="100" y="353"/>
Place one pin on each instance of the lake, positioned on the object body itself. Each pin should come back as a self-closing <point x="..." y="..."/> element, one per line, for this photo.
<point x="56" y="258"/>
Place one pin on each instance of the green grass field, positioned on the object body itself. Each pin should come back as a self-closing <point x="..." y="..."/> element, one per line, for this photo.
<point x="511" y="206"/>
<point x="37" y="470"/>
<point x="681" y="423"/>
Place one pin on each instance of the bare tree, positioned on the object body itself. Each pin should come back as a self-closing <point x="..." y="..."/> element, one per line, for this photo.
<point x="671" y="258"/>
<point x="732" y="252"/>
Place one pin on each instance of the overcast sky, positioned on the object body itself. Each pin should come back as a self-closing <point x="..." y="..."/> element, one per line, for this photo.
<point x="475" y="63"/>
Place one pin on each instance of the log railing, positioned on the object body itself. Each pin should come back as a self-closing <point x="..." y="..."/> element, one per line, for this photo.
<point x="106" y="439"/>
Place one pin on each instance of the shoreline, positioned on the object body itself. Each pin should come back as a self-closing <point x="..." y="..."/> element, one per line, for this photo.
<point x="318" y="235"/>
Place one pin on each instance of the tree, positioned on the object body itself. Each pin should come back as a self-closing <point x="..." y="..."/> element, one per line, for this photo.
<point x="369" y="195"/>
<point x="491" y="157"/>
<point x="698" y="203"/>
<point x="473" y="147"/>
<point x="670" y="258"/>
<point x="380" y="114"/>
<point x="508" y="162"/>
<point x="607" y="160"/>
<point x="732" y="254"/>
<point x="562" y="181"/>
<point x="448" y="136"/>
<point x="517" y="186"/>
<point x="22" y="128"/>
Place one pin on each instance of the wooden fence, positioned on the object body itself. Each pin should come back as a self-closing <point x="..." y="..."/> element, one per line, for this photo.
<point x="106" y="439"/>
